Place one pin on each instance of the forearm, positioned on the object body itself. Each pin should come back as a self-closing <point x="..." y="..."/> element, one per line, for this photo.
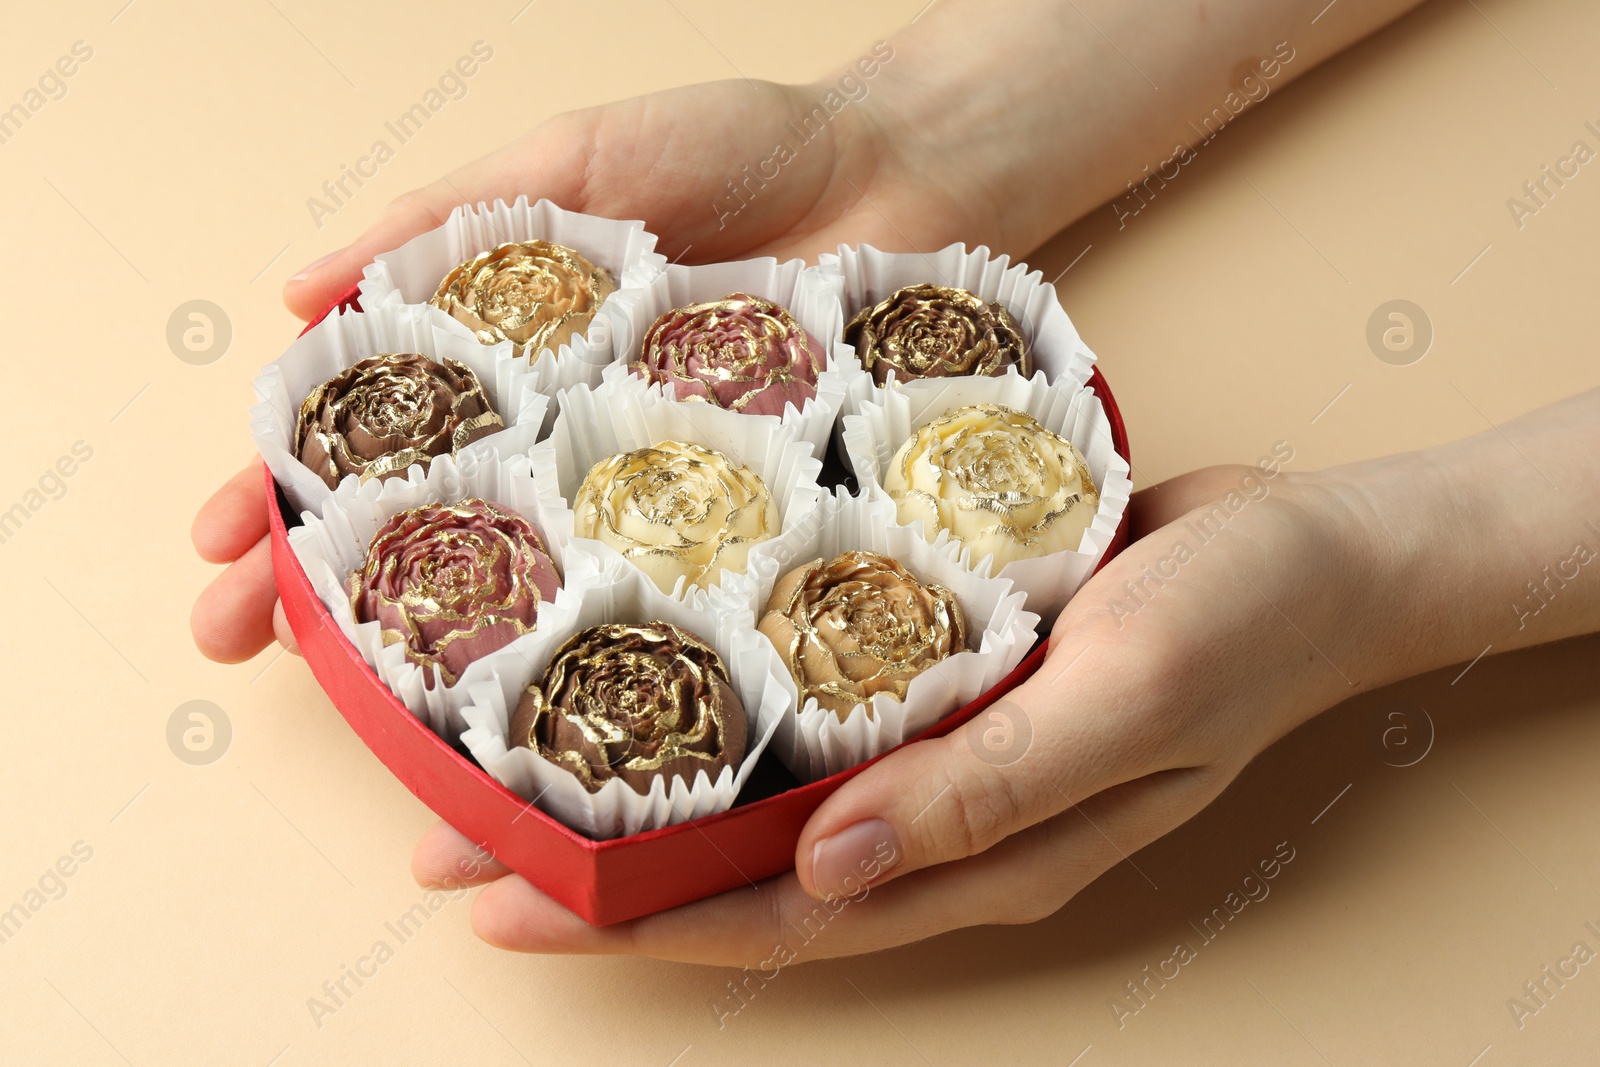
<point x="1044" y="109"/>
<point x="1490" y="543"/>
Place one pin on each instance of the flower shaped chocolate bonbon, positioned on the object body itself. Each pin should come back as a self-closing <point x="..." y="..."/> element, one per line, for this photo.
<point x="858" y="625"/>
<point x="386" y="412"/>
<point x="535" y="294"/>
<point x="741" y="353"/>
<point x="997" y="480"/>
<point x="936" y="331"/>
<point x="633" y="701"/>
<point x="676" y="509"/>
<point x="453" y="582"/>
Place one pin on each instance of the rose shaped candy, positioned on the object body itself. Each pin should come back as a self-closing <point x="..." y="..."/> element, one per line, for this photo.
<point x="535" y="294"/>
<point x="935" y="331"/>
<point x="742" y="353"/>
<point x="453" y="583"/>
<point x="387" y="412"/>
<point x="858" y="625"/>
<point x="997" y="480"/>
<point x="633" y="701"/>
<point x="676" y="509"/>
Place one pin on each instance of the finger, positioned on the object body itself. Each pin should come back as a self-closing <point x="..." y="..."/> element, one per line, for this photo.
<point x="232" y="618"/>
<point x="1027" y="757"/>
<point x="548" y="164"/>
<point x="445" y="858"/>
<point x="1025" y="878"/>
<point x="281" y="630"/>
<point x="327" y="279"/>
<point x="520" y="918"/>
<point x="234" y="519"/>
<point x="1165" y="502"/>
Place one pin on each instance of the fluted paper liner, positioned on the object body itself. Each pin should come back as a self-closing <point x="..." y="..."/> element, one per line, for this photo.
<point x="811" y="740"/>
<point x="622" y="593"/>
<point x="1074" y="412"/>
<point x="411" y="274"/>
<point x="863" y="276"/>
<point x="596" y="424"/>
<point x="810" y="297"/>
<point x="344" y="339"/>
<point x="333" y="544"/>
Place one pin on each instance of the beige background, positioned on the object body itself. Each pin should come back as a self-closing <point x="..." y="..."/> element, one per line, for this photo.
<point x="219" y="898"/>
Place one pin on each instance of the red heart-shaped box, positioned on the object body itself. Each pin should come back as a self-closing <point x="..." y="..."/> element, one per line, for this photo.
<point x="603" y="881"/>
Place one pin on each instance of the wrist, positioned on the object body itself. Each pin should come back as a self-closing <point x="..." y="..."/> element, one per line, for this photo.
<point x="1380" y="570"/>
<point x="1432" y="543"/>
<point x="944" y="120"/>
<point x="1479" y="546"/>
<point x="1320" y="593"/>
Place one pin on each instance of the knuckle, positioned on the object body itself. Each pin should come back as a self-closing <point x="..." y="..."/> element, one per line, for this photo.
<point x="568" y="124"/>
<point x="983" y="809"/>
<point x="1037" y="893"/>
<point x="773" y="921"/>
<point x="420" y="204"/>
<point x="1033" y="907"/>
<point x="1056" y="877"/>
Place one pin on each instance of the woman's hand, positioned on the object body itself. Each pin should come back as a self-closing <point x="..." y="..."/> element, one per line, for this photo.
<point x="666" y="158"/>
<point x="698" y="165"/>
<point x="1252" y="600"/>
<point x="1231" y="621"/>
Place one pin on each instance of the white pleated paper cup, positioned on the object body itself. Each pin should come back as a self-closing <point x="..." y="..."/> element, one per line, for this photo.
<point x="811" y="298"/>
<point x="345" y="338"/>
<point x="812" y="741"/>
<point x="863" y="275"/>
<point x="332" y="544"/>
<point x="596" y="424"/>
<point x="623" y="594"/>
<point x="411" y="274"/>
<point x="876" y="432"/>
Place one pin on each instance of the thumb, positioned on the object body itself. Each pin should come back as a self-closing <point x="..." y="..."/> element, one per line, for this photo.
<point x="1025" y="758"/>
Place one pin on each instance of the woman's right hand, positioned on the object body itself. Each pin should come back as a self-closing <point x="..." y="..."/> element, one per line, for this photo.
<point x="702" y="167"/>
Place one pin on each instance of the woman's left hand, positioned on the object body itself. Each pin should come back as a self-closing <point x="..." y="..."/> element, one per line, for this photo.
<point x="1227" y="623"/>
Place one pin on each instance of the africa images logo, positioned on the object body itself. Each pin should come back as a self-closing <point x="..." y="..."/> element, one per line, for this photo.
<point x="1538" y="192"/>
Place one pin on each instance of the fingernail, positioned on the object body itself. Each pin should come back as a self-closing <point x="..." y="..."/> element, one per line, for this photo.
<point x="854" y="857"/>
<point x="309" y="269"/>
